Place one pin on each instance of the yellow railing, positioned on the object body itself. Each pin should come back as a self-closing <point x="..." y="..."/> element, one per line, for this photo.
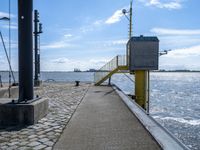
<point x="117" y="63"/>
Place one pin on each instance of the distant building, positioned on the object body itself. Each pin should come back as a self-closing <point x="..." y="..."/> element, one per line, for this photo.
<point x="92" y="70"/>
<point x="77" y="70"/>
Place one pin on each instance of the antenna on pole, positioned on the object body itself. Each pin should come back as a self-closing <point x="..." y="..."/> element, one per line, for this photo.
<point x="130" y="19"/>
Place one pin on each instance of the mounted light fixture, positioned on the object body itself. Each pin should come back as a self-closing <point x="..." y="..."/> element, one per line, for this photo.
<point x="5" y="18"/>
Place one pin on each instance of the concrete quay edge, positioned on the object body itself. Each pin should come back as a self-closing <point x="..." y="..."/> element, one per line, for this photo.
<point x="163" y="137"/>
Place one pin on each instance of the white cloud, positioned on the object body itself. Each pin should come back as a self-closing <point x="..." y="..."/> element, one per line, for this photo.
<point x="193" y="51"/>
<point x="119" y="42"/>
<point x="93" y="26"/>
<point x="13" y="26"/>
<point x="64" y="42"/>
<point x="168" y="31"/>
<point x="98" y="22"/>
<point x="116" y="17"/>
<point x="184" y="58"/>
<point x="67" y="64"/>
<point x="56" y="45"/>
<point x="167" y="4"/>
<point x="86" y="29"/>
<point x="4" y="14"/>
<point x="177" y="42"/>
<point x="113" y="46"/>
<point x="68" y="35"/>
<point x="177" y="38"/>
<point x="98" y="62"/>
<point x="14" y="44"/>
<point x="61" y="60"/>
<point x="185" y="47"/>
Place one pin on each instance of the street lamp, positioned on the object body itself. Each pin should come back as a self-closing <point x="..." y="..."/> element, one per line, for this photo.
<point x="125" y="12"/>
<point x="5" y="18"/>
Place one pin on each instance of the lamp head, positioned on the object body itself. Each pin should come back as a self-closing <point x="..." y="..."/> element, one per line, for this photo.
<point x="124" y="11"/>
<point x="4" y="18"/>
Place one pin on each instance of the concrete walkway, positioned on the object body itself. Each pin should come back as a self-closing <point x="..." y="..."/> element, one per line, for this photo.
<point x="103" y="122"/>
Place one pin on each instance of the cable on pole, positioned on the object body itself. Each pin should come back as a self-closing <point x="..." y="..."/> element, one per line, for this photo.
<point x="10" y="67"/>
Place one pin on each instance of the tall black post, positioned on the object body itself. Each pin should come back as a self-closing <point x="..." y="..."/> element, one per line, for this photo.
<point x="36" y="21"/>
<point x="40" y="31"/>
<point x="25" y="42"/>
<point x="37" y="26"/>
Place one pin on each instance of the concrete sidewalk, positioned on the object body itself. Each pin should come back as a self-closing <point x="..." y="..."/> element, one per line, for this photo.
<point x="103" y="122"/>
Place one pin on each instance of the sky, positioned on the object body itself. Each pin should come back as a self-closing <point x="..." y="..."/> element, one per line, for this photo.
<point x="86" y="34"/>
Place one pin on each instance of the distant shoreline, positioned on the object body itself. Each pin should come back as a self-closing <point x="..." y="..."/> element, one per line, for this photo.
<point x="176" y="71"/>
<point x="96" y="71"/>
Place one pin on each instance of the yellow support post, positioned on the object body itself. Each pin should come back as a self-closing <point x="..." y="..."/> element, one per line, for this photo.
<point x="142" y="88"/>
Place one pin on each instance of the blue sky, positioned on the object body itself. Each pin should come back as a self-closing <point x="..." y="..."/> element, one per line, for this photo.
<point x="87" y="34"/>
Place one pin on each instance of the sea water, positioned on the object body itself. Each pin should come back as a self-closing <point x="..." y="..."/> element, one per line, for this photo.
<point x="174" y="103"/>
<point x="174" y="99"/>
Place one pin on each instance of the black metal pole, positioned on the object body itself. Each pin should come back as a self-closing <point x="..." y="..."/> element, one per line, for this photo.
<point x="40" y="31"/>
<point x="39" y="62"/>
<point x="25" y="42"/>
<point x="36" y="21"/>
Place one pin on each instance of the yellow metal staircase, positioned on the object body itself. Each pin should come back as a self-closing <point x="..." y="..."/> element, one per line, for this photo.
<point x="117" y="64"/>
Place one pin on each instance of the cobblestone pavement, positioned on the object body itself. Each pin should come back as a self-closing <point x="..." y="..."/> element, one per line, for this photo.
<point x="63" y="101"/>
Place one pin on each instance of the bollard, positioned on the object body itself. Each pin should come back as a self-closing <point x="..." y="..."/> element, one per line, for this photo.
<point x="77" y="83"/>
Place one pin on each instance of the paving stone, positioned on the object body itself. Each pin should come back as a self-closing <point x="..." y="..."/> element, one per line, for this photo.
<point x="23" y="143"/>
<point x="63" y="100"/>
<point x="47" y="130"/>
<point x="5" y="135"/>
<point x="4" y="147"/>
<point x="54" y="140"/>
<point x="32" y="136"/>
<point x="24" y="132"/>
<point x="13" y="143"/>
<point x="41" y="132"/>
<point x="14" y="147"/>
<point x="41" y="136"/>
<point x="3" y="144"/>
<point x="34" y="139"/>
<point x="32" y="144"/>
<point x="43" y="140"/>
<point x="48" y="148"/>
<point x="57" y="134"/>
<point x="25" y="148"/>
<point x="59" y="131"/>
<point x="50" y="133"/>
<point x="39" y="147"/>
<point x="49" y="143"/>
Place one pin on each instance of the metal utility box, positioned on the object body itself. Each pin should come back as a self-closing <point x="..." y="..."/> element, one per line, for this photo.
<point x="143" y="53"/>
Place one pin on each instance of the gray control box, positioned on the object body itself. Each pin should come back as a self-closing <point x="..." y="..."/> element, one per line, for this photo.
<point x="143" y="53"/>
